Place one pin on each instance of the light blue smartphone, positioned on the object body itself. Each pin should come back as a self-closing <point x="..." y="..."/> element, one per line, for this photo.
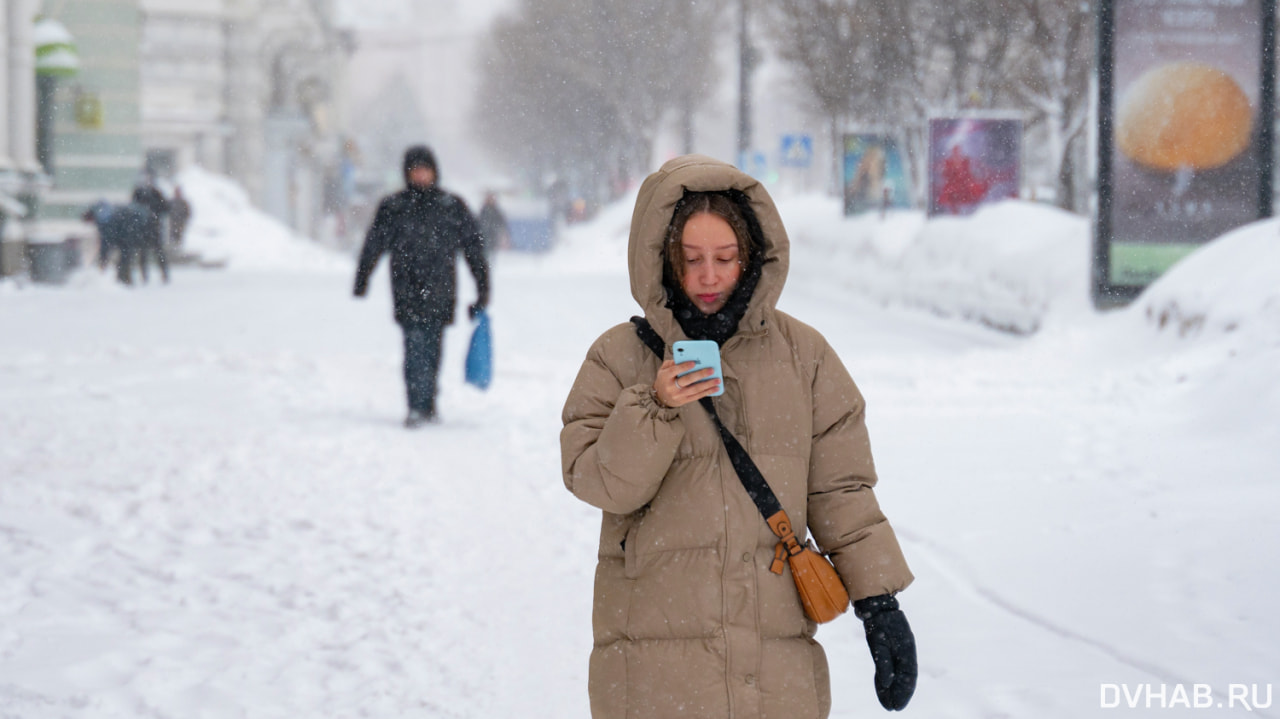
<point x="706" y="353"/>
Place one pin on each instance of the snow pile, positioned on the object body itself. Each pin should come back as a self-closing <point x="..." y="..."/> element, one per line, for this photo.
<point x="1009" y="266"/>
<point x="227" y="229"/>
<point x="599" y="245"/>
<point x="1012" y="266"/>
<point x="1215" y="317"/>
<point x="1231" y="284"/>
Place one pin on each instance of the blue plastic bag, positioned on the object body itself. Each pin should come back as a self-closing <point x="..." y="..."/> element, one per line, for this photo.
<point x="480" y="353"/>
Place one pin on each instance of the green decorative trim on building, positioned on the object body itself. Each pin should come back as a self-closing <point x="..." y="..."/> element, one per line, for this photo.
<point x="56" y="53"/>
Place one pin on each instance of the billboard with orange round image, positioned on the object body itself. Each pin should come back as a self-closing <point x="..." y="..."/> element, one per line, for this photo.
<point x="1185" y="96"/>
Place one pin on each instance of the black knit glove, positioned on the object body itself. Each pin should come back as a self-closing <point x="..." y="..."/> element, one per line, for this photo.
<point x="893" y="649"/>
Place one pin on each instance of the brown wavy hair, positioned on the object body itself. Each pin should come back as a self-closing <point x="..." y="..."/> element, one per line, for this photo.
<point x="719" y="204"/>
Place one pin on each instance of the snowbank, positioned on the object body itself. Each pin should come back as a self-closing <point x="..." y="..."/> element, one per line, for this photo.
<point x="1211" y="325"/>
<point x="1230" y="285"/>
<point x="599" y="245"/>
<point x="1013" y="266"/>
<point x="1009" y="266"/>
<point x="226" y="228"/>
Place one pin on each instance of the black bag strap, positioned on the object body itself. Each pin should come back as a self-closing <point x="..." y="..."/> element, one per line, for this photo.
<point x="748" y="473"/>
<point x="649" y="337"/>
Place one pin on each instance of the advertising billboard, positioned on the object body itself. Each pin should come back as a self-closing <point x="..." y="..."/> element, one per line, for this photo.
<point x="1185" y="101"/>
<point x="973" y="161"/>
<point x="875" y="173"/>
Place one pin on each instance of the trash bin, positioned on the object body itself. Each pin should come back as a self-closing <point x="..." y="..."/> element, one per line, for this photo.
<point x="12" y="256"/>
<point x="75" y="252"/>
<point x="50" y="262"/>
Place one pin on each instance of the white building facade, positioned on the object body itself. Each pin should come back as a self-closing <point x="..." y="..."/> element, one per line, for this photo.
<point x="246" y="88"/>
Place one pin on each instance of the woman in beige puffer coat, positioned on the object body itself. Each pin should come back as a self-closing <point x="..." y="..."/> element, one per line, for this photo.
<point x="688" y="620"/>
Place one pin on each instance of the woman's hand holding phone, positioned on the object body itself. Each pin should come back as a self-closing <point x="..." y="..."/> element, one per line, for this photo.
<point x="676" y="391"/>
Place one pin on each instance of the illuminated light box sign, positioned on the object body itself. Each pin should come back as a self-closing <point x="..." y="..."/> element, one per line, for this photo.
<point x="1186" y="90"/>
<point x="875" y="173"/>
<point x="973" y="161"/>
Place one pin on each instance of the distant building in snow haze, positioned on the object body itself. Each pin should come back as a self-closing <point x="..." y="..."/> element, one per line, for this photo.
<point x="246" y="88"/>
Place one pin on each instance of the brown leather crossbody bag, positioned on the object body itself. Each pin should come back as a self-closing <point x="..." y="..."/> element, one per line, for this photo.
<point x="821" y="592"/>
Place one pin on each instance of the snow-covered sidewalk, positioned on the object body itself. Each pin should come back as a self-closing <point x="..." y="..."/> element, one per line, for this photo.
<point x="208" y="507"/>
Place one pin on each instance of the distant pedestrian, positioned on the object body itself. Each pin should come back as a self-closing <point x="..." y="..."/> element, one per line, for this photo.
<point x="120" y="230"/>
<point x="151" y="237"/>
<point x="179" y="215"/>
<point x="423" y="228"/>
<point x="493" y="225"/>
<point x="99" y="213"/>
<point x="148" y="195"/>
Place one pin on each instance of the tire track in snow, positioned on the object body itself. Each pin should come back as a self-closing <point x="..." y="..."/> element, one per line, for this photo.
<point x="950" y="569"/>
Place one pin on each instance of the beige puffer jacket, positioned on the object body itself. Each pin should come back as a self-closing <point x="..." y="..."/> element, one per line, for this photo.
<point x="688" y="620"/>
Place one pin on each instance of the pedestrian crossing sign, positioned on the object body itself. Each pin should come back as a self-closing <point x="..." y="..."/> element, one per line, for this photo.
<point x="797" y="150"/>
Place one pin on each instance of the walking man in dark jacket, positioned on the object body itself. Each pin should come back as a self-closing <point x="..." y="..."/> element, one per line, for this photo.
<point x="424" y="228"/>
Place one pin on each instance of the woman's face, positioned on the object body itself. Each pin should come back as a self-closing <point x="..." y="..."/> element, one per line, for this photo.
<point x="711" y="268"/>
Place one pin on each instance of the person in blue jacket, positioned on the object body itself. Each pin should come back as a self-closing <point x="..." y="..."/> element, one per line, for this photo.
<point x="120" y="234"/>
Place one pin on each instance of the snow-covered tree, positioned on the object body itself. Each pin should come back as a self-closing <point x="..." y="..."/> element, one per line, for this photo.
<point x="896" y="63"/>
<point x="577" y="90"/>
<point x="1050" y="78"/>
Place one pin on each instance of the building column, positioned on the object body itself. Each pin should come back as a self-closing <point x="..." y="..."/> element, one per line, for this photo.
<point x="22" y="86"/>
<point x="9" y="34"/>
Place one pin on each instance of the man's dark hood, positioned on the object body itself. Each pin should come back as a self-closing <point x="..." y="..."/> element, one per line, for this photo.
<point x="419" y="156"/>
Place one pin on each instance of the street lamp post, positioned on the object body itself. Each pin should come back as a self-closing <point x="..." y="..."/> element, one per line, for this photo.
<point x="56" y="58"/>
<point x="746" y="61"/>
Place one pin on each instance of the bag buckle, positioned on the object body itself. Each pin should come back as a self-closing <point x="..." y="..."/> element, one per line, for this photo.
<point x="787" y="546"/>
<point x="786" y="549"/>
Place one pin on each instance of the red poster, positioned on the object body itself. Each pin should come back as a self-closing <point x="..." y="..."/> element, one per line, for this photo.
<point x="973" y="161"/>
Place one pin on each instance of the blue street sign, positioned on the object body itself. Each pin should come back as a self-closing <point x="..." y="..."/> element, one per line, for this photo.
<point x="754" y="163"/>
<point x="797" y="151"/>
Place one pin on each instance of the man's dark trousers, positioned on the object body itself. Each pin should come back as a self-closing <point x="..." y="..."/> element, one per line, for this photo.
<point x="422" y="364"/>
